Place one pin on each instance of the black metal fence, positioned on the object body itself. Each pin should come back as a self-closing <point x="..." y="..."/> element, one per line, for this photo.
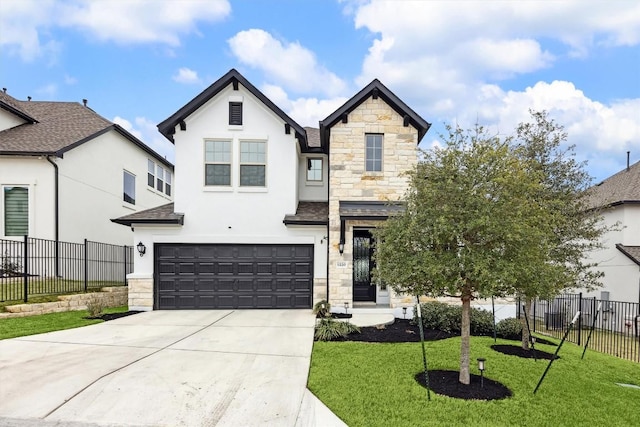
<point x="42" y="267"/>
<point x="614" y="326"/>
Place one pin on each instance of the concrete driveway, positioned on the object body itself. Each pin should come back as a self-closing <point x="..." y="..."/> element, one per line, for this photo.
<point x="166" y="368"/>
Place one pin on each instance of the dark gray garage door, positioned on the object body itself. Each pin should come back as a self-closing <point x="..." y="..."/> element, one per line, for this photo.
<point x="190" y="276"/>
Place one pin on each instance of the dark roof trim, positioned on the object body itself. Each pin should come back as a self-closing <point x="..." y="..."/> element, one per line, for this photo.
<point x="375" y="88"/>
<point x="167" y="127"/>
<point x="130" y="222"/>
<point x="122" y="132"/>
<point x="304" y="222"/>
<point x="17" y="112"/>
<point x="622" y="249"/>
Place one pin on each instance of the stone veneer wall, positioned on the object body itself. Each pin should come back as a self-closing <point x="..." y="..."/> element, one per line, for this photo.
<point x="110" y="297"/>
<point x="140" y="293"/>
<point x="348" y="180"/>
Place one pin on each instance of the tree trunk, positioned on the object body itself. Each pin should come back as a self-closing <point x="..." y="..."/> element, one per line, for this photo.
<point x="465" y="334"/>
<point x="525" y="330"/>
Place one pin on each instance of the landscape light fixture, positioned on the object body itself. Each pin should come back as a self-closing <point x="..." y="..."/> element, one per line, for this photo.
<point x="346" y="307"/>
<point x="142" y="249"/>
<point x="481" y="361"/>
<point x="404" y="312"/>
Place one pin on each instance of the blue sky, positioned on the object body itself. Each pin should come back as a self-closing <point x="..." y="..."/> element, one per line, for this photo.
<point x="138" y="61"/>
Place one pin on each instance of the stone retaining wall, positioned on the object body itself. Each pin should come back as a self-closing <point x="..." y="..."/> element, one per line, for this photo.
<point x="109" y="297"/>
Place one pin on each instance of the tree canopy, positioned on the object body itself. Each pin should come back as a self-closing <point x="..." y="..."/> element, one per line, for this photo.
<point x="490" y="217"/>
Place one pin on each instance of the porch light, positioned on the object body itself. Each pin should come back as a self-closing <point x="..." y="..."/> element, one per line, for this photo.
<point x="481" y="361"/>
<point x="142" y="249"/>
<point x="341" y="248"/>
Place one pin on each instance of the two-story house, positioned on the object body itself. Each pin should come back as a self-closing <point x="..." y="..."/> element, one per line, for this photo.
<point x="267" y="213"/>
<point x="619" y="196"/>
<point x="65" y="171"/>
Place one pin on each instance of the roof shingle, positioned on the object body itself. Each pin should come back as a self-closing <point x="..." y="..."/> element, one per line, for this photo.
<point x="309" y="213"/>
<point x="623" y="187"/>
<point x="163" y="214"/>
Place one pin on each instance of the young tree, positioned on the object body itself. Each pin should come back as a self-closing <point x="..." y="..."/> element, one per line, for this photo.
<point x="469" y="226"/>
<point x="576" y="227"/>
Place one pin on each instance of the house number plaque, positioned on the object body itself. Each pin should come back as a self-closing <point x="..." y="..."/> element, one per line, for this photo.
<point x="341" y="264"/>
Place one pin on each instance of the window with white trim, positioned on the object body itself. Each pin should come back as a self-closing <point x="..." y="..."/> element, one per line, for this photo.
<point x="160" y="178"/>
<point x="217" y="163"/>
<point x="151" y="174"/>
<point x="16" y="210"/>
<point x="373" y="154"/>
<point x="129" y="188"/>
<point x="253" y="164"/>
<point x="167" y="183"/>
<point x="314" y="169"/>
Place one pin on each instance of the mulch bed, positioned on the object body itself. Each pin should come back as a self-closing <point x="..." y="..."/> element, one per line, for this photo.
<point x="517" y="350"/>
<point x="113" y="316"/>
<point x="399" y="331"/>
<point x="447" y="384"/>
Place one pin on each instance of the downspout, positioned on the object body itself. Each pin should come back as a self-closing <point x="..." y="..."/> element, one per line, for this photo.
<point x="56" y="214"/>
<point x="328" y="221"/>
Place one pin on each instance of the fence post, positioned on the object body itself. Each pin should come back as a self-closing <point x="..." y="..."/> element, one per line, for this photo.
<point x="25" y="277"/>
<point x="535" y="303"/>
<point x="124" y="266"/>
<point x="580" y="317"/>
<point x="86" y="266"/>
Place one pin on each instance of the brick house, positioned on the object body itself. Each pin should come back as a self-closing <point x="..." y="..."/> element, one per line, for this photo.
<point x="270" y="214"/>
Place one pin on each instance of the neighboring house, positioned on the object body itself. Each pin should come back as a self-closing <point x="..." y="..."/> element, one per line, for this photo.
<point x="619" y="195"/>
<point x="269" y="214"/>
<point x="65" y="172"/>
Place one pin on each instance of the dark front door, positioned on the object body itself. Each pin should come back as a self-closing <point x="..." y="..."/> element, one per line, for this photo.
<point x="363" y="266"/>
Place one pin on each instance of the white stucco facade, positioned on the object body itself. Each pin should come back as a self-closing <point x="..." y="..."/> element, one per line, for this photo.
<point x="621" y="275"/>
<point x="90" y="190"/>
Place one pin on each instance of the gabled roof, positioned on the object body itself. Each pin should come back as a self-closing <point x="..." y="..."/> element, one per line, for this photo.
<point x="54" y="128"/>
<point x="159" y="215"/>
<point x="621" y="188"/>
<point x="167" y="127"/>
<point x="375" y="89"/>
<point x="631" y="252"/>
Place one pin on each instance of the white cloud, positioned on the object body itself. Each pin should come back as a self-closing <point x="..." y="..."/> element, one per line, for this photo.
<point x="25" y="23"/>
<point x="146" y="131"/>
<point x="305" y="111"/>
<point x="48" y="92"/>
<point x="187" y="76"/>
<point x="287" y="64"/>
<point x="70" y="80"/>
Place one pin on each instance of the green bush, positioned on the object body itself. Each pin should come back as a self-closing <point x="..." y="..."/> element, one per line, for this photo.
<point x="328" y="329"/>
<point x="445" y="317"/>
<point x="322" y="309"/>
<point x="510" y="328"/>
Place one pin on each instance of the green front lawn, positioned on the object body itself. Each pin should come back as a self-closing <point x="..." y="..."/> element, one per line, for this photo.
<point x="21" y="326"/>
<point x="369" y="384"/>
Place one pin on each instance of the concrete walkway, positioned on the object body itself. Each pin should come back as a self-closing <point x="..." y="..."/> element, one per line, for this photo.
<point x="166" y="368"/>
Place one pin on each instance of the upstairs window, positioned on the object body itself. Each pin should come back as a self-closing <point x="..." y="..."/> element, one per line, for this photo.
<point x="160" y="179"/>
<point x="253" y="164"/>
<point x="314" y="170"/>
<point x="16" y="211"/>
<point x="167" y="184"/>
<point x="129" y="188"/>
<point x="217" y="163"/>
<point x="373" y="159"/>
<point x="235" y="113"/>
<point x="151" y="174"/>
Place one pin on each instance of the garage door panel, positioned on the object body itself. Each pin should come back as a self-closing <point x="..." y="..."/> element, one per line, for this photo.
<point x="233" y="276"/>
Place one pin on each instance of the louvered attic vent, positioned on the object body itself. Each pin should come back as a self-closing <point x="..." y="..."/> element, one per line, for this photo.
<point x="235" y="113"/>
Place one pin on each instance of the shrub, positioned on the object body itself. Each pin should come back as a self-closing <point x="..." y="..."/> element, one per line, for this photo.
<point x="95" y="306"/>
<point x="322" y="309"/>
<point x="445" y="317"/>
<point x="510" y="328"/>
<point x="481" y="322"/>
<point x="328" y="329"/>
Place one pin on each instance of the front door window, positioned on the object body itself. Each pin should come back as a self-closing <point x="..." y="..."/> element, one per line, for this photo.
<point x="363" y="265"/>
